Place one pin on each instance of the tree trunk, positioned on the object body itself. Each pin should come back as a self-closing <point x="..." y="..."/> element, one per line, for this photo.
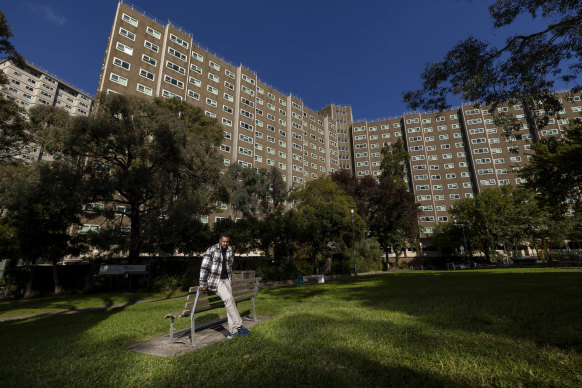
<point x="88" y="278"/>
<point x="56" y="280"/>
<point x="315" y="263"/>
<point x="28" y="292"/>
<point x="134" y="236"/>
<point x="529" y="107"/>
<point x="327" y="268"/>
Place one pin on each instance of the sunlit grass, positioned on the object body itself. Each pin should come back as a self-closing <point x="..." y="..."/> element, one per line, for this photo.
<point x="463" y="328"/>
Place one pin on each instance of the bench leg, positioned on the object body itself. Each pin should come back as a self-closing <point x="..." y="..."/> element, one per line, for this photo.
<point x="171" y="330"/>
<point x="192" y="328"/>
<point x="254" y="311"/>
<point x="192" y="323"/>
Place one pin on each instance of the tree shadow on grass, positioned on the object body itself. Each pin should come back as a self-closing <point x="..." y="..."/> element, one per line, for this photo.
<point x="43" y="350"/>
<point x="305" y="349"/>
<point x="542" y="307"/>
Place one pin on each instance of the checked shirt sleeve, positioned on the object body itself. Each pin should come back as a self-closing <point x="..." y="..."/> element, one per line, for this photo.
<point x="205" y="269"/>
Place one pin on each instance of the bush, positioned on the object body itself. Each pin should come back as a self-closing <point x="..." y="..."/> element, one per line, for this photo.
<point x="369" y="255"/>
<point x="166" y="283"/>
<point x="191" y="275"/>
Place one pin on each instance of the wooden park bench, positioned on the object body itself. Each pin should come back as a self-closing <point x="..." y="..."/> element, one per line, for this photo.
<point x="244" y="287"/>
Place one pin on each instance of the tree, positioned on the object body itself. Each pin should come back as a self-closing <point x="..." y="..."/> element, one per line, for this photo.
<point x="13" y="125"/>
<point x="555" y="171"/>
<point x="277" y="233"/>
<point x="323" y="217"/>
<point x="253" y="192"/>
<point x="43" y="201"/>
<point x="362" y="190"/>
<point x="393" y="211"/>
<point x="394" y="216"/>
<point x="157" y="158"/>
<point x="507" y="217"/>
<point x="394" y="161"/>
<point x="524" y="70"/>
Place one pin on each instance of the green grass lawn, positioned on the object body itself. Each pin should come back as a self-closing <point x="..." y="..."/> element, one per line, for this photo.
<point x="508" y="328"/>
<point x="15" y="308"/>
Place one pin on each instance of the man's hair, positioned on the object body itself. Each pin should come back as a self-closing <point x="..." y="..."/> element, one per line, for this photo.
<point x="223" y="235"/>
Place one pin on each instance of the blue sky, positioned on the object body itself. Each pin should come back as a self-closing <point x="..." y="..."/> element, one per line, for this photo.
<point x="360" y="53"/>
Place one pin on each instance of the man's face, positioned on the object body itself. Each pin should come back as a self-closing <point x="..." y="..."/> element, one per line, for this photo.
<point x="224" y="242"/>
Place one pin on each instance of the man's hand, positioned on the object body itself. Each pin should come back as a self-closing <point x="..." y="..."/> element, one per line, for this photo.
<point x="203" y="288"/>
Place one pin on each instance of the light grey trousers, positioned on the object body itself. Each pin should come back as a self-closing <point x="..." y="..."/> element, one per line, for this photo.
<point x="232" y="314"/>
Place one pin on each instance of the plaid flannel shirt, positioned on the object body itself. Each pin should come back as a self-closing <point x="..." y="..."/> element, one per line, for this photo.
<point x="212" y="266"/>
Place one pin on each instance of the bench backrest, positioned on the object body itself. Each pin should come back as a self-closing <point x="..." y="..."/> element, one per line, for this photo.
<point x="244" y="289"/>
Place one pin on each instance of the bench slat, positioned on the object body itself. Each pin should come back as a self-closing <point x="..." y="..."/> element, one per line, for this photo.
<point x="215" y="304"/>
<point x="205" y="297"/>
<point x="236" y="283"/>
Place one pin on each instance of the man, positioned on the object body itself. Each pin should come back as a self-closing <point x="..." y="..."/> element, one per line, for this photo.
<point x="216" y="276"/>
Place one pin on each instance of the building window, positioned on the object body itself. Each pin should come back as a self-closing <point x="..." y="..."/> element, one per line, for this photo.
<point x="146" y="74"/>
<point x="149" y="60"/>
<point x="144" y="89"/>
<point x="173" y="66"/>
<point x="177" y="54"/>
<point x="129" y="19"/>
<point x="193" y="94"/>
<point x="151" y="46"/>
<point x="118" y="79"/>
<point x="168" y="94"/>
<point x="153" y="32"/>
<point x="197" y="56"/>
<point x="127" y="34"/>
<point x="126" y="49"/>
<point x="181" y="42"/>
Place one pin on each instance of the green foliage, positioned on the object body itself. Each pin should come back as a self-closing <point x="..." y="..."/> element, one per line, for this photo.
<point x="157" y="158"/>
<point x="286" y="270"/>
<point x="14" y="132"/>
<point x="166" y="283"/>
<point x="362" y="190"/>
<point x="525" y="69"/>
<point x="555" y="171"/>
<point x="243" y="233"/>
<point x="387" y="207"/>
<point x="393" y="165"/>
<point x="369" y="253"/>
<point x="42" y="202"/>
<point x="323" y="217"/>
<point x="394" y="219"/>
<point x="506" y="216"/>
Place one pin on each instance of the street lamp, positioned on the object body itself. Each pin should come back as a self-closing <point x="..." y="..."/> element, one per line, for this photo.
<point x="354" y="239"/>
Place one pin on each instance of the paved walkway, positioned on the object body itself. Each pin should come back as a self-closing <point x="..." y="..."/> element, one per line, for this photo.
<point x="206" y="334"/>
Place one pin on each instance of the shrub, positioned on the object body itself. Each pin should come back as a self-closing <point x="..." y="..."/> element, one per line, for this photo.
<point x="166" y="283"/>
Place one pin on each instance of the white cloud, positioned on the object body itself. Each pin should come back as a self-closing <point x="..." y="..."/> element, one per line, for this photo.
<point x="48" y="13"/>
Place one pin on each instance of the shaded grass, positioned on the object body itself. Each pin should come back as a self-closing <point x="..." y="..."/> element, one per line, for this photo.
<point x="19" y="307"/>
<point x="456" y="329"/>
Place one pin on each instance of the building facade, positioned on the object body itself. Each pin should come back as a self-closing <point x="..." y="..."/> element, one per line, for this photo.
<point x="30" y="86"/>
<point x="263" y="127"/>
<point x="454" y="154"/>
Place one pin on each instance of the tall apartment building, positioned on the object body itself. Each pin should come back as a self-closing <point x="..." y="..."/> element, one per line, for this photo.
<point x="263" y="127"/>
<point x="30" y="85"/>
<point x="342" y="115"/>
<point x="454" y="154"/>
